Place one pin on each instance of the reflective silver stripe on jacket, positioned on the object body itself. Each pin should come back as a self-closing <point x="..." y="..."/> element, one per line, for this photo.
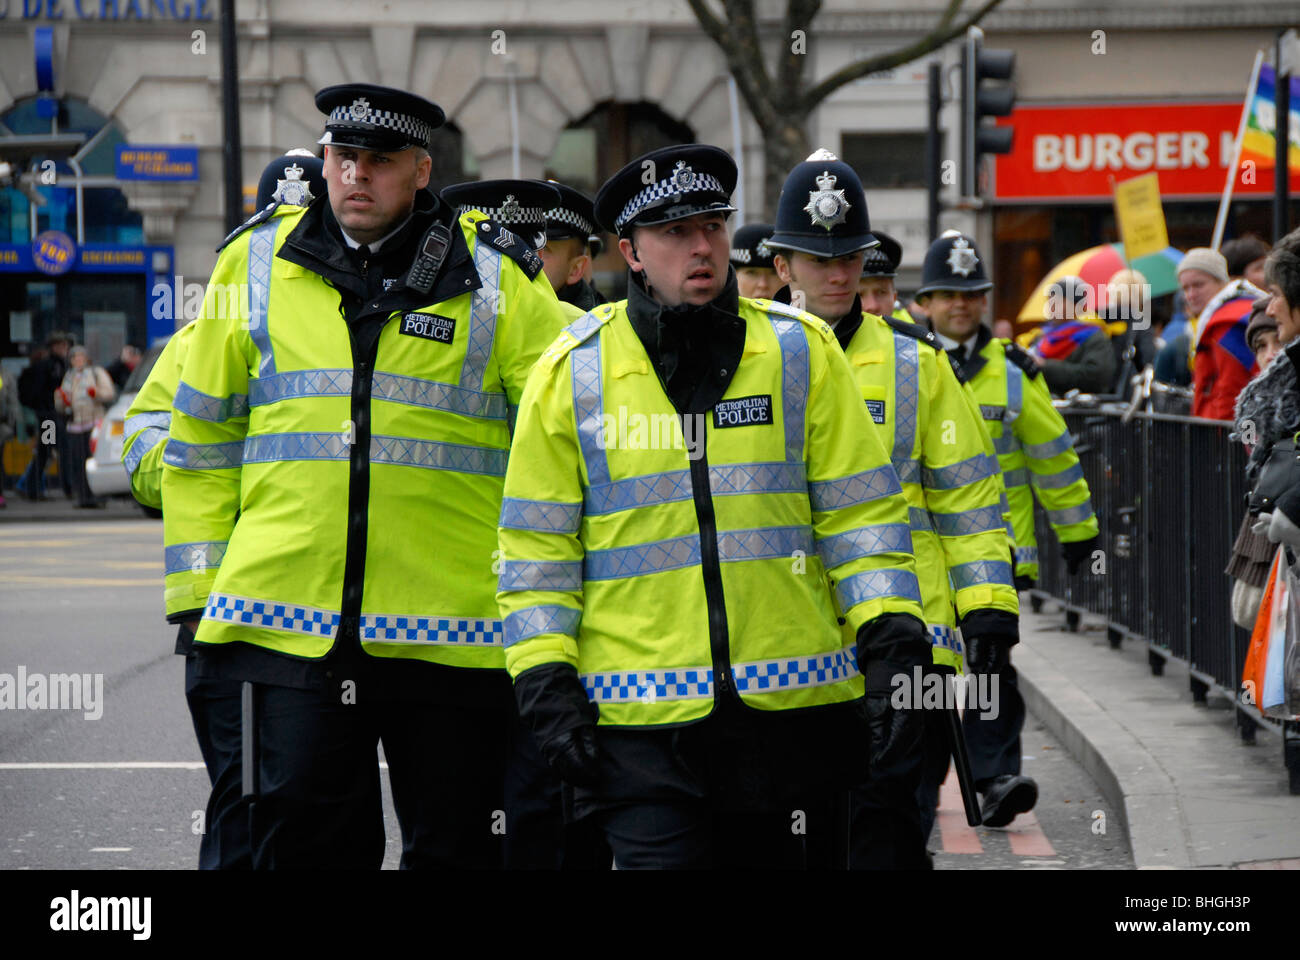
<point x="875" y="584"/>
<point x="534" y="621"/>
<point x="909" y="471"/>
<point x="794" y="387"/>
<point x="864" y="542"/>
<point x="1061" y="518"/>
<point x="1054" y="481"/>
<point x="906" y="391"/>
<point x="296" y="384"/>
<point x="1015" y="478"/>
<point x="197" y="404"/>
<point x="1041" y="451"/>
<point x="957" y="474"/>
<point x="193" y="557"/>
<point x="140" y="421"/>
<point x="980" y="572"/>
<point x="482" y="315"/>
<point x="918" y="518"/>
<point x="149" y="438"/>
<point x="1015" y="396"/>
<point x="588" y="406"/>
<point x="965" y="522"/>
<point x="541" y="516"/>
<point x="854" y="489"/>
<point x="540" y="575"/>
<point x="261" y="254"/>
<point x="203" y="456"/>
<point x="675" y="485"/>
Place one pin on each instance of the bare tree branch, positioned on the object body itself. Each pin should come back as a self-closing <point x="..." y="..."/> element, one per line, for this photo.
<point x="789" y="65"/>
<point x="744" y="62"/>
<point x="936" y="38"/>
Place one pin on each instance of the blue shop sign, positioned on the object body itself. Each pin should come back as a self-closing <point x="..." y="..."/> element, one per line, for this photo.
<point x="156" y="163"/>
<point x="53" y="252"/>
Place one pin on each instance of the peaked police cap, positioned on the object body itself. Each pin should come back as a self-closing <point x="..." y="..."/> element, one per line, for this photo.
<point x="372" y="117"/>
<point x="671" y="183"/>
<point x="953" y="263"/>
<point x="822" y="210"/>
<point x="518" y="205"/>
<point x="749" y="246"/>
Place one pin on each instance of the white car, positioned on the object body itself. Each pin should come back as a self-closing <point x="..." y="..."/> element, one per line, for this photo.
<point x="104" y="470"/>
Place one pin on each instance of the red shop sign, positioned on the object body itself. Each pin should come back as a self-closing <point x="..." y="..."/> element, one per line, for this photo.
<point x="1073" y="152"/>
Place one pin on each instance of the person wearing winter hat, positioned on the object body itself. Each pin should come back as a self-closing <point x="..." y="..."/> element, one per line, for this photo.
<point x="1220" y="361"/>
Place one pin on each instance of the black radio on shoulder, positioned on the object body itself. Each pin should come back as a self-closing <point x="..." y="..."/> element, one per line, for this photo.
<point x="432" y="251"/>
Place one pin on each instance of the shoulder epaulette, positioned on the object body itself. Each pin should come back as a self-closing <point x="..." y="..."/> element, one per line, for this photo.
<point x="260" y="217"/>
<point x="786" y="311"/>
<point x="915" y="331"/>
<point x="578" y="332"/>
<point x="1017" y="355"/>
<point x="511" y="245"/>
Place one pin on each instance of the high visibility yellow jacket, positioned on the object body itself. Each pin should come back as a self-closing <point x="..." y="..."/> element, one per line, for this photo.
<point x="943" y="457"/>
<point x="669" y="580"/>
<point x="148" y="418"/>
<point x="1033" y="446"/>
<point x="310" y="493"/>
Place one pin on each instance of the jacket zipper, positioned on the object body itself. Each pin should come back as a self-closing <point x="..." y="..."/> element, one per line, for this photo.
<point x="710" y="567"/>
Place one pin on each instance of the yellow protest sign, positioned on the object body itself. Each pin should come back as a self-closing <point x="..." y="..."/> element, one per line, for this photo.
<point x="1141" y="218"/>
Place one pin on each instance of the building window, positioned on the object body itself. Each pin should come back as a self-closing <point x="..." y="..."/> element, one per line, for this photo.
<point x="453" y="161"/>
<point x="887" y="161"/>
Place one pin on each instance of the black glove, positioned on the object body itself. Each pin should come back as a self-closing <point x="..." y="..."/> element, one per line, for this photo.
<point x="1024" y="583"/>
<point x="554" y="705"/>
<point x="890" y="645"/>
<point x="1077" y="552"/>
<point x="989" y="634"/>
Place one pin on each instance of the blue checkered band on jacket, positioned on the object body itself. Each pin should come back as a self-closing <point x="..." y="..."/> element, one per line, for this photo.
<point x="434" y="631"/>
<point x="907" y="377"/>
<point x="534" y="621"/>
<point x="958" y="474"/>
<point x="541" y="516"/>
<point x="571" y="218"/>
<point x="1041" y="451"/>
<point x="194" y="557"/>
<point x="662" y="190"/>
<point x="1026" y="554"/>
<point x="270" y="615"/>
<point x="943" y="636"/>
<point x="261" y="251"/>
<point x="792" y="673"/>
<point x="540" y="575"/>
<point x="649" y="686"/>
<point x="980" y="573"/>
<point x="864" y="542"/>
<point x="195" y="403"/>
<point x="795" y="381"/>
<point x="855" y="489"/>
<point x="413" y="128"/>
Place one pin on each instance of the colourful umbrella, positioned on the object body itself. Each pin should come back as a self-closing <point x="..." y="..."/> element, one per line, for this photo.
<point x="1097" y="265"/>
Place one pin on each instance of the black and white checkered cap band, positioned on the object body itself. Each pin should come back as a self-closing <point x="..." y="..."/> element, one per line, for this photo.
<point x="739" y="255"/>
<point x="412" y="128"/>
<point x="662" y="189"/>
<point x="530" y="216"/>
<point x="570" y="218"/>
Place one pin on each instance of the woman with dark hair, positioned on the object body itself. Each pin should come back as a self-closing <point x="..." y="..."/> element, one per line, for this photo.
<point x="1268" y="409"/>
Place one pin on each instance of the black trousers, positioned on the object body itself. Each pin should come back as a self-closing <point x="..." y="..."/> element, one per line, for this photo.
<point x="694" y="834"/>
<point x="73" y="467"/>
<point x="994" y="744"/>
<point x="215" y="709"/>
<point x="891" y="815"/>
<point x="319" y="804"/>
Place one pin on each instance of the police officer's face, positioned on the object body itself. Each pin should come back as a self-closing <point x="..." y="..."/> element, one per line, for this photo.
<point x="372" y="192"/>
<point x="757" y="282"/>
<point x="877" y="295"/>
<point x="684" y="261"/>
<point x="956" y="313"/>
<point x="828" y="284"/>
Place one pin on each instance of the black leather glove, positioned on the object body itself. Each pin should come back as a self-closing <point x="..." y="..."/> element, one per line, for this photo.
<point x="988" y="654"/>
<point x="1024" y="583"/>
<point x="1077" y="552"/>
<point x="888" y="646"/>
<point x="554" y="705"/>
<point x="989" y="635"/>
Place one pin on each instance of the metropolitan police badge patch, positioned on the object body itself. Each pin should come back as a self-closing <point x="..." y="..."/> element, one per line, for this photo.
<point x="743" y="412"/>
<point x="429" y="326"/>
<point x="877" y="410"/>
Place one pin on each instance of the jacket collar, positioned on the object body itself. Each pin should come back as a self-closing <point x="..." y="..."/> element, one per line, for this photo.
<point x="966" y="372"/>
<point x="317" y="244"/>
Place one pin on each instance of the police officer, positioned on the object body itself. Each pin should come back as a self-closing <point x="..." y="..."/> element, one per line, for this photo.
<point x="752" y="259"/>
<point x="333" y="481"/>
<point x="214" y="703"/>
<point x="876" y="287"/>
<point x="939" y="449"/>
<point x="680" y="498"/>
<point x="1034" y="449"/>
<point x="571" y="245"/>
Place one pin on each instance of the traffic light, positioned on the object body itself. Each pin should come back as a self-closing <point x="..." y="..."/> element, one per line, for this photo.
<point x="980" y="99"/>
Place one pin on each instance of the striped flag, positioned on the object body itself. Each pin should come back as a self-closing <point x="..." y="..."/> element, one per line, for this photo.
<point x="1260" y="139"/>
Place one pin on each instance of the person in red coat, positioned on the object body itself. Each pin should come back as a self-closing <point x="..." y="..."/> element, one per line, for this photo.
<point x="1222" y="361"/>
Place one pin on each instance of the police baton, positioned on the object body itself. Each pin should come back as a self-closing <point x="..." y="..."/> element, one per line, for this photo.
<point x="960" y="758"/>
<point x="248" y="739"/>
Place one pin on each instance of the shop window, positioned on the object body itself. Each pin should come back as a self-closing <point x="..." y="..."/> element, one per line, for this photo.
<point x="887" y="161"/>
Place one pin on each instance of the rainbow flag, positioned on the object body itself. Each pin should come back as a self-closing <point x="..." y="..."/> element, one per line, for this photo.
<point x="1259" y="143"/>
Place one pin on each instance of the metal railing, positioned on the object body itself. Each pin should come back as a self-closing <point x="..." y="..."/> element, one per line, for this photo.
<point x="1170" y="494"/>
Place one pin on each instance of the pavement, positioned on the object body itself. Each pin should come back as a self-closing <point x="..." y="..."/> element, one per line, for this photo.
<point x="18" y="509"/>
<point x="1191" y="793"/>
